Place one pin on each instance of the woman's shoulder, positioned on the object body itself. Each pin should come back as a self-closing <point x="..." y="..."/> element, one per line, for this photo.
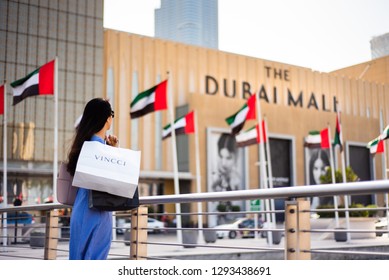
<point x="97" y="139"/>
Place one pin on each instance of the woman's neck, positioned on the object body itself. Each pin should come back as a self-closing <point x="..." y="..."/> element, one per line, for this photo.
<point x="101" y="133"/>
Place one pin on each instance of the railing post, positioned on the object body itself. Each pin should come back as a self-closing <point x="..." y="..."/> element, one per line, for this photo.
<point x="138" y="250"/>
<point x="297" y="222"/>
<point x="51" y="241"/>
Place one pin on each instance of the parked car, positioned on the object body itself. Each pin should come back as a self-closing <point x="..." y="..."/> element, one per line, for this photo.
<point x="122" y="224"/>
<point x="231" y="229"/>
<point x="247" y="225"/>
<point x="153" y="225"/>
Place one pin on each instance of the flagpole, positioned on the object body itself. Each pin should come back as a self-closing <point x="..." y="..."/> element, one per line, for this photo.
<point x="263" y="168"/>
<point x="344" y="180"/>
<point x="345" y="197"/>
<point x="198" y="177"/>
<point x="385" y="175"/>
<point x="5" y="191"/>
<point x="332" y="164"/>
<point x="269" y="168"/>
<point x="55" y="160"/>
<point x="175" y="168"/>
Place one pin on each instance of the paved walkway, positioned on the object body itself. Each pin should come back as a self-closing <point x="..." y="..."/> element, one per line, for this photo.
<point x="217" y="250"/>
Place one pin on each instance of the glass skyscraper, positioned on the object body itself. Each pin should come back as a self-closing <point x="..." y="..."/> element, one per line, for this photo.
<point x="193" y="22"/>
<point x="379" y="46"/>
<point x="33" y="33"/>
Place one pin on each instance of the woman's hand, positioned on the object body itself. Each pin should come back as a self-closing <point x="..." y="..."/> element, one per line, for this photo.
<point x="112" y="140"/>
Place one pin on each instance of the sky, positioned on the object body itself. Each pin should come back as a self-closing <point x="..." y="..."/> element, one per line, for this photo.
<point x="323" y="35"/>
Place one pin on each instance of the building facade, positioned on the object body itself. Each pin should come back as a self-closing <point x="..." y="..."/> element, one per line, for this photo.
<point x="118" y="65"/>
<point x="193" y="22"/>
<point x="294" y="101"/>
<point x="34" y="32"/>
<point x="375" y="71"/>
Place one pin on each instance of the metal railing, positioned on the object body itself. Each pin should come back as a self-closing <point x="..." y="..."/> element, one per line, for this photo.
<point x="299" y="231"/>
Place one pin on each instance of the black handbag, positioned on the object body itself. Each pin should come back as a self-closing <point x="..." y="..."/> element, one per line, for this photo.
<point x="110" y="202"/>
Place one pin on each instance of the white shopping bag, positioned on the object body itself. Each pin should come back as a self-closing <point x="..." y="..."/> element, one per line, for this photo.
<point x="109" y="169"/>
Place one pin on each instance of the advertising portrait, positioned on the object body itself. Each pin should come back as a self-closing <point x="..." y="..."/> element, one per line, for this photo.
<point x="225" y="172"/>
<point x="317" y="162"/>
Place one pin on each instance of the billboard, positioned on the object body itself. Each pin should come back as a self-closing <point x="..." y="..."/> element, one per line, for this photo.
<point x="225" y="172"/>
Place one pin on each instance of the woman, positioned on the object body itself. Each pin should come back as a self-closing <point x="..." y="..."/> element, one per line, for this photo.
<point x="318" y="164"/>
<point x="227" y="177"/>
<point x="90" y="229"/>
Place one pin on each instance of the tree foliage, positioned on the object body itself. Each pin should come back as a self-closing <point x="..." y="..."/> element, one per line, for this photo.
<point x="350" y="176"/>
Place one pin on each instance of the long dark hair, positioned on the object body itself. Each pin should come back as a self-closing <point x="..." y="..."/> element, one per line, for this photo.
<point x="227" y="141"/>
<point x="316" y="154"/>
<point x="95" y="115"/>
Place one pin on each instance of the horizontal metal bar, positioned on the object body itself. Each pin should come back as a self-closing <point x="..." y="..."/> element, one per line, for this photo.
<point x="154" y="258"/>
<point x="35" y="207"/>
<point x="365" y="187"/>
<point x="20" y="257"/>
<point x="345" y="210"/>
<point x="216" y="246"/>
<point x="215" y="213"/>
<point x="346" y="252"/>
<point x="344" y="230"/>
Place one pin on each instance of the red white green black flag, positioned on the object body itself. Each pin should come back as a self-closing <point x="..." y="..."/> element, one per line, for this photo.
<point x="148" y="101"/>
<point x="317" y="139"/>
<point x="376" y="145"/>
<point x="38" y="82"/>
<point x="247" y="112"/>
<point x="338" y="134"/>
<point x="183" y="125"/>
<point x="251" y="136"/>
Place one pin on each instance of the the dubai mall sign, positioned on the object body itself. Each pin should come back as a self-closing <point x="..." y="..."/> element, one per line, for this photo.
<point x="231" y="89"/>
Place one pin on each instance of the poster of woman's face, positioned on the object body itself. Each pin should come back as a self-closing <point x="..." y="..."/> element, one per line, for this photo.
<point x="318" y="160"/>
<point x="225" y="170"/>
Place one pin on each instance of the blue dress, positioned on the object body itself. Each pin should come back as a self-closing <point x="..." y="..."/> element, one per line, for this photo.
<point x="90" y="229"/>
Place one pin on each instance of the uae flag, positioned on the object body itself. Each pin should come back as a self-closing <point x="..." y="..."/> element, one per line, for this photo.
<point x="38" y="82"/>
<point x="250" y="136"/>
<point x="338" y="134"/>
<point x="2" y="100"/>
<point x="247" y="112"/>
<point x="184" y="125"/>
<point x="318" y="139"/>
<point x="376" y="146"/>
<point x="151" y="100"/>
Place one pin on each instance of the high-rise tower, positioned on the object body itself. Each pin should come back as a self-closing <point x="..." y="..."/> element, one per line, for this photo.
<point x="379" y="46"/>
<point x="193" y="22"/>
